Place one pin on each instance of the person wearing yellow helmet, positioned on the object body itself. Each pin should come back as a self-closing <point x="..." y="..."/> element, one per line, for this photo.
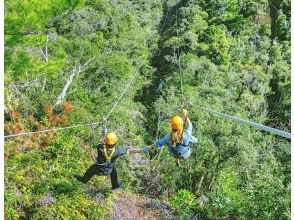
<point x="179" y="139"/>
<point x="108" y="152"/>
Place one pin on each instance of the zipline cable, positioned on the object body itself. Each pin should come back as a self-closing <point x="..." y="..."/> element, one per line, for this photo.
<point x="164" y="19"/>
<point x="124" y="91"/>
<point x="179" y="54"/>
<point x="48" y="130"/>
<point x="79" y="125"/>
<point x="153" y="168"/>
<point x="240" y="120"/>
<point x="250" y="123"/>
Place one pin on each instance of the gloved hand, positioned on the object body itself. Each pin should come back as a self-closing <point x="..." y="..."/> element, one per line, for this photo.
<point x="185" y="113"/>
<point x="145" y="148"/>
<point x="103" y="133"/>
<point x="152" y="151"/>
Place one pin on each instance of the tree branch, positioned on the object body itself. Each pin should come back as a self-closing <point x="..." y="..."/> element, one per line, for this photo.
<point x="45" y="54"/>
<point x="200" y="184"/>
<point x="75" y="71"/>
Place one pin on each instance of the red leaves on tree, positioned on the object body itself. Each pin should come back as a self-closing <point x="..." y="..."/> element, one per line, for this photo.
<point x="31" y="118"/>
<point x="67" y="107"/>
<point x="14" y="115"/>
<point x="34" y="141"/>
<point x="48" y="109"/>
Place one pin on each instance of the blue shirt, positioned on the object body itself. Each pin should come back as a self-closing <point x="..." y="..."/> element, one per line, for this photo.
<point x="181" y="148"/>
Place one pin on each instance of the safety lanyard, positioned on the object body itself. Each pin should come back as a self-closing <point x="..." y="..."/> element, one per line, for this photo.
<point x="108" y="157"/>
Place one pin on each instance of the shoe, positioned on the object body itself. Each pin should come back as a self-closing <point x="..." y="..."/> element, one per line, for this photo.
<point x="79" y="178"/>
<point x="178" y="162"/>
<point x="118" y="186"/>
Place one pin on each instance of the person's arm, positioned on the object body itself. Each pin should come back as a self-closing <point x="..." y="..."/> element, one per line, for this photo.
<point x="104" y="130"/>
<point x="163" y="141"/>
<point x="103" y="134"/>
<point x="121" y="151"/>
<point x="187" y="121"/>
<point x="156" y="144"/>
<point x="189" y="127"/>
<point x="133" y="151"/>
<point x="188" y="124"/>
<point x="144" y="149"/>
<point x="125" y="150"/>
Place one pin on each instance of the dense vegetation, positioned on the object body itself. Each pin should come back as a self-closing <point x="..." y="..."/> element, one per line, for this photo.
<point x="229" y="55"/>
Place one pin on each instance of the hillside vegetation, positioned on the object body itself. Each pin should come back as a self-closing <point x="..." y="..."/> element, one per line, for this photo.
<point x="74" y="62"/>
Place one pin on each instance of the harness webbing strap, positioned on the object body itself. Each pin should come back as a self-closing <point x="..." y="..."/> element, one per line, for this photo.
<point x="108" y="157"/>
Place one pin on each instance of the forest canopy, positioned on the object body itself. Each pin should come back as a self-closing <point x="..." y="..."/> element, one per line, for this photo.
<point x="68" y="62"/>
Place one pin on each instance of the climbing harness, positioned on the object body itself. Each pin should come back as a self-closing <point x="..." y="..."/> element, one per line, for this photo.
<point x="108" y="157"/>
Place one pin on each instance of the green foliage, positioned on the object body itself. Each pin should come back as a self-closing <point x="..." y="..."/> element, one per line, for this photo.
<point x="24" y="17"/>
<point x="42" y="184"/>
<point x="232" y="56"/>
<point x="281" y="19"/>
<point x="42" y="52"/>
<point x="184" y="203"/>
<point x="226" y="67"/>
<point x="229" y="201"/>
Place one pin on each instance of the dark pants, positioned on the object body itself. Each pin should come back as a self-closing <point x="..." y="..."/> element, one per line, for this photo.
<point x="94" y="169"/>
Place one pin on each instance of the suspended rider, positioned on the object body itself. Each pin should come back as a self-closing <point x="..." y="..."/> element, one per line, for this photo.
<point x="179" y="139"/>
<point x="108" y="152"/>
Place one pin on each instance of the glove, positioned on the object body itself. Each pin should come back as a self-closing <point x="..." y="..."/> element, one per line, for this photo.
<point x="185" y="113"/>
<point x="103" y="133"/>
<point x="145" y="148"/>
<point x="152" y="148"/>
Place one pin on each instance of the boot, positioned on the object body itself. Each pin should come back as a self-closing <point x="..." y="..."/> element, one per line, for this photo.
<point x="118" y="186"/>
<point x="79" y="178"/>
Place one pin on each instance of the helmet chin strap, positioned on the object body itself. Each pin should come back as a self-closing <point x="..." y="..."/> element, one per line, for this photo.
<point x="109" y="146"/>
<point x="177" y="130"/>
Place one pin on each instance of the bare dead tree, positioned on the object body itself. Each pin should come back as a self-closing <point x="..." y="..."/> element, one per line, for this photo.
<point x="76" y="71"/>
<point x="44" y="83"/>
<point x="45" y="52"/>
<point x="200" y="184"/>
<point x="22" y="86"/>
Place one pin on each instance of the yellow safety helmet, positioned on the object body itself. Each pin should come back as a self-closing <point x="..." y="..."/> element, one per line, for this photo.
<point x="110" y="139"/>
<point x="177" y="123"/>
